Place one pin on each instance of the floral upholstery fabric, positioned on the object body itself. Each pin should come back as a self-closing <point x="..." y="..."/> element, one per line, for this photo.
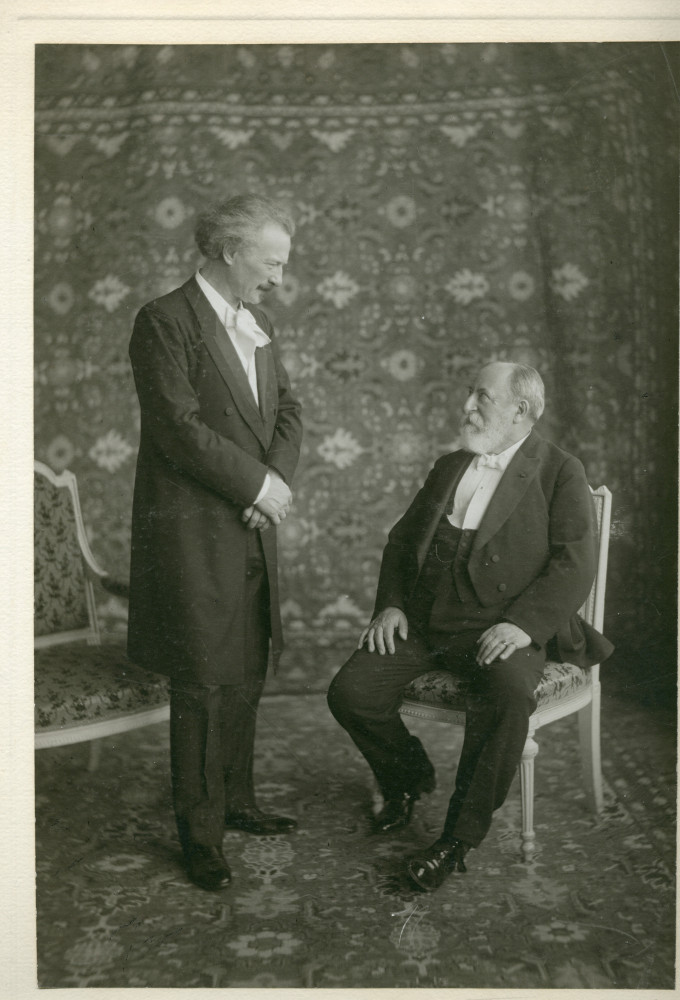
<point x="559" y="681"/>
<point x="444" y="690"/>
<point x="59" y="576"/>
<point x="76" y="682"/>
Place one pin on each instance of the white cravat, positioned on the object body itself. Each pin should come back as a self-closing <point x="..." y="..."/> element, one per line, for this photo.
<point x="477" y="486"/>
<point x="241" y="327"/>
<point x="247" y="336"/>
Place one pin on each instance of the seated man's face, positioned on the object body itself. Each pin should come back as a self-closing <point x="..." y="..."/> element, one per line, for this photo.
<point x="489" y="412"/>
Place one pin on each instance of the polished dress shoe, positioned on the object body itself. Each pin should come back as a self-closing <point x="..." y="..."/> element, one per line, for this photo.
<point x="397" y="809"/>
<point x="253" y="820"/>
<point x="429" y="868"/>
<point x="395" y="813"/>
<point x="206" y="866"/>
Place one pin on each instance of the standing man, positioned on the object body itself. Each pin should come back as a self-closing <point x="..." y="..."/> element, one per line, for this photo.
<point x="484" y="572"/>
<point x="220" y="440"/>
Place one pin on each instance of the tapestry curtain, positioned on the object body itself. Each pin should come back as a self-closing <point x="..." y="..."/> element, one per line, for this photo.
<point x="454" y="203"/>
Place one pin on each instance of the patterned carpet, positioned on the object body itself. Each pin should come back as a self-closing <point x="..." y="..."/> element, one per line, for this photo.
<point x="328" y="906"/>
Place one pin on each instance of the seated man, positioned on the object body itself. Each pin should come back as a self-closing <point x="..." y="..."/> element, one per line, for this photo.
<point x="483" y="573"/>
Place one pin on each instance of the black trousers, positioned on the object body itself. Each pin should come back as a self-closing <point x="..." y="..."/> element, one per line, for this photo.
<point x="365" y="696"/>
<point x="212" y="727"/>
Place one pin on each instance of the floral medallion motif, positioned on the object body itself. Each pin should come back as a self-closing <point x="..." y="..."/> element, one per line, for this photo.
<point x="438" y="225"/>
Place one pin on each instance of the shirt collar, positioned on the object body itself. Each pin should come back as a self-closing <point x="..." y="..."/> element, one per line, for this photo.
<point x="228" y="315"/>
<point x="503" y="458"/>
<point x="225" y="311"/>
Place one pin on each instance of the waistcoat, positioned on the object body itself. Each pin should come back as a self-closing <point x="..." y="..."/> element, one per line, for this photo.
<point x="443" y="599"/>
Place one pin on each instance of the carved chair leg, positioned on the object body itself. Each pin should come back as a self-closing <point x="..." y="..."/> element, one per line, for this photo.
<point x="526" y="783"/>
<point x="589" y="735"/>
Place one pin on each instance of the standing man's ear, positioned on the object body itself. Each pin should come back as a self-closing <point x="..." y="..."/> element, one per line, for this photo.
<point x="227" y="257"/>
<point x="522" y="409"/>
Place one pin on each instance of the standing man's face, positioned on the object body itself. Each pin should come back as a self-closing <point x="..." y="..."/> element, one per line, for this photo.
<point x="257" y="268"/>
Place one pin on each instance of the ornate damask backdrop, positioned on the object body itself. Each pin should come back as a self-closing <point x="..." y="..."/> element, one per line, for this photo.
<point x="454" y="203"/>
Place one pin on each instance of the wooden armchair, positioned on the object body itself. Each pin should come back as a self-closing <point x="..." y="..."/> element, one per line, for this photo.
<point x="564" y="689"/>
<point x="84" y="689"/>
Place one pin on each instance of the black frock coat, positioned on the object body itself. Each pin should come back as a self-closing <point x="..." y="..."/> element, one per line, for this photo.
<point x="534" y="551"/>
<point x="204" y="451"/>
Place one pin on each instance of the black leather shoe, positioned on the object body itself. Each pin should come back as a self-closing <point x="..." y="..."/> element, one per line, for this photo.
<point x="253" y="820"/>
<point x="206" y="867"/>
<point x="429" y="869"/>
<point x="395" y="813"/>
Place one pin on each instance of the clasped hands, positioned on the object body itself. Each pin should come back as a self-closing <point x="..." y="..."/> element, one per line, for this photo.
<point x="498" y="642"/>
<point x="272" y="507"/>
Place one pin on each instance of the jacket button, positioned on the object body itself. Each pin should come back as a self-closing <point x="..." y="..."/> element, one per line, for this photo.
<point x="502" y="587"/>
<point x="495" y="558"/>
<point x="229" y="410"/>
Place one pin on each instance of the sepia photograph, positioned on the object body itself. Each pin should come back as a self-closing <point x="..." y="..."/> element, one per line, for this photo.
<point x="333" y="342"/>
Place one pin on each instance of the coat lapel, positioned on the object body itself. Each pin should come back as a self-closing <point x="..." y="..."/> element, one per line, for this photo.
<point x="509" y="492"/>
<point x="267" y="387"/>
<point x="452" y="475"/>
<point x="438" y="499"/>
<point x="223" y="353"/>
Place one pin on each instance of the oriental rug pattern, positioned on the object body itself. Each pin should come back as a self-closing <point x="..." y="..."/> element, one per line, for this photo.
<point x="454" y="203"/>
<point x="328" y="906"/>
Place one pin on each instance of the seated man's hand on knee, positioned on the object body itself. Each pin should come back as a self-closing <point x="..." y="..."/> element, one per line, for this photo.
<point x="379" y="635"/>
<point x="501" y="641"/>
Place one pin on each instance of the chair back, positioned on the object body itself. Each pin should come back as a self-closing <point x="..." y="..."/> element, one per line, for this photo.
<point x="64" y="605"/>
<point x="593" y="608"/>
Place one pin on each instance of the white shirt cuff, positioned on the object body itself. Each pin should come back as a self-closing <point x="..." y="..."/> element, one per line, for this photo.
<point x="263" y="491"/>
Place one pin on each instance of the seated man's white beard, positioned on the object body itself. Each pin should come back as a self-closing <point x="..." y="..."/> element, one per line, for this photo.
<point x="481" y="442"/>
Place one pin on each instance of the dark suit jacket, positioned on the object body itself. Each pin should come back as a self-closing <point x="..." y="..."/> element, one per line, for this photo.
<point x="535" y="547"/>
<point x="203" y="454"/>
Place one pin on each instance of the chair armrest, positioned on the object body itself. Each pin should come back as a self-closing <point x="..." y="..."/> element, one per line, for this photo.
<point x="120" y="588"/>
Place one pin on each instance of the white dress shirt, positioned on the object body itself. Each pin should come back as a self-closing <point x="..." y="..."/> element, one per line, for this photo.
<point x="478" y="484"/>
<point x="245" y="335"/>
<point x="241" y="327"/>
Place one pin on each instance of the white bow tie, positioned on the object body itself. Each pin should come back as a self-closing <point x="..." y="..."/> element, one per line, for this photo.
<point x="489" y="462"/>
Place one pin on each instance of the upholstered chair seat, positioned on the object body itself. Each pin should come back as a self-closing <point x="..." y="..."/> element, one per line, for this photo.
<point x="78" y="684"/>
<point x="442" y="689"/>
